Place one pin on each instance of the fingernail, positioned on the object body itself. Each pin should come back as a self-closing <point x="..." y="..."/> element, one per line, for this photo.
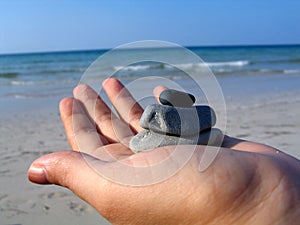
<point x="81" y="88"/>
<point x="104" y="82"/>
<point x="38" y="174"/>
<point x="110" y="79"/>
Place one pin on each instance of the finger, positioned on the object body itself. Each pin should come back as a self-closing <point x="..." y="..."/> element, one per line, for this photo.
<point x="157" y="91"/>
<point x="66" y="108"/>
<point x="81" y="132"/>
<point x="62" y="168"/>
<point x="107" y="124"/>
<point x="127" y="107"/>
<point x="70" y="170"/>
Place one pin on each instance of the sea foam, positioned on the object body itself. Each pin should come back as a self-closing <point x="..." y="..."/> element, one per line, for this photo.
<point x="239" y="63"/>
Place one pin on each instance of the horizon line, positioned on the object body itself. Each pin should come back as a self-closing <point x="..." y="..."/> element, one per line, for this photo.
<point x="188" y="47"/>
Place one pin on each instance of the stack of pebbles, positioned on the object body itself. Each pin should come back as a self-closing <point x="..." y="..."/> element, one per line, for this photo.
<point x="176" y="122"/>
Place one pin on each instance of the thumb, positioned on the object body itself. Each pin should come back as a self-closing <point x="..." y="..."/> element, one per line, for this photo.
<point x="68" y="169"/>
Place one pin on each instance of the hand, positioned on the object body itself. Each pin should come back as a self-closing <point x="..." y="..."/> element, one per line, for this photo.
<point x="248" y="183"/>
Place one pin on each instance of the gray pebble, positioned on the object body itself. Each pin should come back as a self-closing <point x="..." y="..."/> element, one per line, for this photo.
<point x="178" y="121"/>
<point x="147" y="140"/>
<point x="176" y="98"/>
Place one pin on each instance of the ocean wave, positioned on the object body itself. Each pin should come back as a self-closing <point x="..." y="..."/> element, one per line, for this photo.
<point x="279" y="71"/>
<point x="28" y="96"/>
<point x="132" y="68"/>
<point x="239" y="63"/>
<point x="40" y="82"/>
<point x="22" y="83"/>
<point x="18" y="96"/>
<point x="291" y="71"/>
<point x="212" y="65"/>
<point x="230" y="63"/>
<point x="252" y="71"/>
<point x="60" y="71"/>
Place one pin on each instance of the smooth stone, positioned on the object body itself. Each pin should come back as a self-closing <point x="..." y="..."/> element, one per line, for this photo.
<point x="147" y="140"/>
<point x="178" y="121"/>
<point x="176" y="98"/>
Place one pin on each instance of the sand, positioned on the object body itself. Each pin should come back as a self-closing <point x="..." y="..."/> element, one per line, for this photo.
<point x="27" y="135"/>
<point x="24" y="138"/>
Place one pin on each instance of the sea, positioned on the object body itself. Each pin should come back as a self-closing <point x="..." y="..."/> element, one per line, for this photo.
<point x="241" y="71"/>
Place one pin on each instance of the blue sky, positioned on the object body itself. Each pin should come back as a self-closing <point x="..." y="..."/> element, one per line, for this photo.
<point x="53" y="25"/>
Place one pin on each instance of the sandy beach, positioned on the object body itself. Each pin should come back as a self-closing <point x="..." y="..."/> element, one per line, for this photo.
<point x="24" y="138"/>
<point x="30" y="134"/>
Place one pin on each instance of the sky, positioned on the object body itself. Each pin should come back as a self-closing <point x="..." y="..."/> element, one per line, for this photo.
<point x="57" y="25"/>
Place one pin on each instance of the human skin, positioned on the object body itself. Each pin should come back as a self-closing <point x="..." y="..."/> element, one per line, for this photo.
<point x="247" y="183"/>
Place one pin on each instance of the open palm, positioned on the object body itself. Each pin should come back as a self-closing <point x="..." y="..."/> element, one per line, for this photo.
<point x="248" y="183"/>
